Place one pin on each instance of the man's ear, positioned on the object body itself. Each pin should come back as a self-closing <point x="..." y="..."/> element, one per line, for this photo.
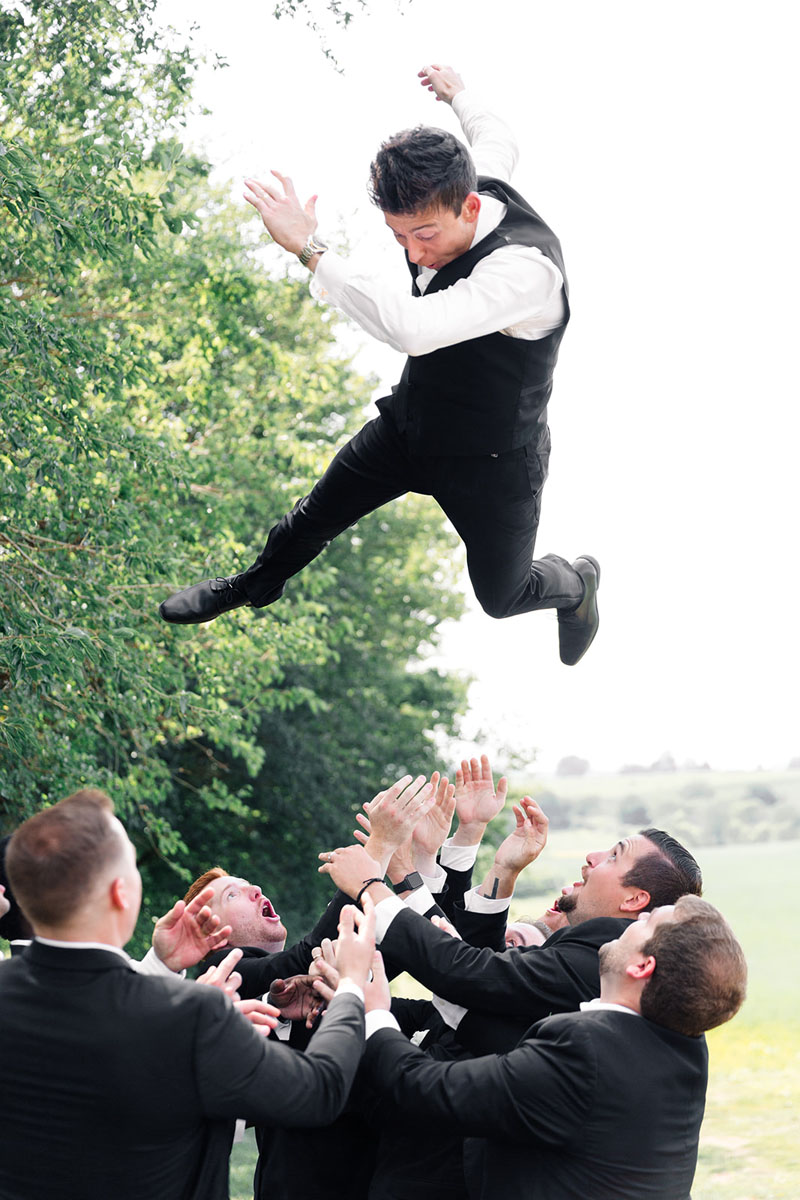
<point x="119" y="894"/>
<point x="471" y="207"/>
<point x="643" y="969"/>
<point x="635" y="903"/>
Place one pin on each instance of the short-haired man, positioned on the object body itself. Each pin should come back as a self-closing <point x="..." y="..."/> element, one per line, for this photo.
<point x="115" y="1083"/>
<point x="605" y="1102"/>
<point x="520" y="984"/>
<point x="467" y="423"/>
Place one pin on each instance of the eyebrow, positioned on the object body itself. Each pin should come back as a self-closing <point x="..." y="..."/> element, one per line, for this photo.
<point x="622" y="846"/>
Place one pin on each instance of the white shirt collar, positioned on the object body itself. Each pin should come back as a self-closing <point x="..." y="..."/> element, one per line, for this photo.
<point x="82" y="946"/>
<point x="606" y="1006"/>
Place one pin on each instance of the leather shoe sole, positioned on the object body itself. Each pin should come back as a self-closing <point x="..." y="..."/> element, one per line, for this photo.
<point x="578" y="627"/>
<point x="204" y="601"/>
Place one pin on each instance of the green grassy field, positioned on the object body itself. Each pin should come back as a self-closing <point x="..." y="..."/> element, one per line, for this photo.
<point x="750" y="1148"/>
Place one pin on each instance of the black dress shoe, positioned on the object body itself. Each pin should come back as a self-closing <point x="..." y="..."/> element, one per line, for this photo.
<point x="204" y="601"/>
<point x="577" y="626"/>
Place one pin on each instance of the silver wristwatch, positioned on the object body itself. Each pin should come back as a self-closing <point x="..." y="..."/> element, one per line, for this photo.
<point x="313" y="246"/>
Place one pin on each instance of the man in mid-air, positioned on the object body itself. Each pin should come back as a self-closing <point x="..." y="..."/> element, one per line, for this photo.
<point x="467" y="424"/>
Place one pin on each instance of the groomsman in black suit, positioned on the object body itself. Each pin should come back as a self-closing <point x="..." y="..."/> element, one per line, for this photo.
<point x="118" y="1084"/>
<point x="606" y="1102"/>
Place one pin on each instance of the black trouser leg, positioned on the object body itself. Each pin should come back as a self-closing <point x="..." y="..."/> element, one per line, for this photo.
<point x="369" y="471"/>
<point x="494" y="504"/>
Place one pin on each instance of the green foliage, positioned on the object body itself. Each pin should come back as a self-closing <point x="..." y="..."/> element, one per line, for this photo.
<point x="164" y="401"/>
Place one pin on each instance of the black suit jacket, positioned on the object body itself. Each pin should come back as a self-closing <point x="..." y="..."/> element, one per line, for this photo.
<point x="591" y="1104"/>
<point x="524" y="982"/>
<point x="116" y="1084"/>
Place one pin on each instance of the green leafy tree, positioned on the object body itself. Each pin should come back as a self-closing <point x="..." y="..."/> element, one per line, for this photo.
<point x="164" y="401"/>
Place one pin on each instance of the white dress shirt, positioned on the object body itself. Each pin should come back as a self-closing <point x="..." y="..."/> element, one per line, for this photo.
<point x="515" y="290"/>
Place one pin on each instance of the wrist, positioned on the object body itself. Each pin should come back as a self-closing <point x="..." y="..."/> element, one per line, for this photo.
<point x="498" y="884"/>
<point x="425" y="863"/>
<point x="469" y="833"/>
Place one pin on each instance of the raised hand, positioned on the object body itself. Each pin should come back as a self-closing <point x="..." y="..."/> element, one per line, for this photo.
<point x="443" y="81"/>
<point x="527" y="840"/>
<point x="355" y="946"/>
<point x="477" y="802"/>
<point x="376" y="991"/>
<point x="394" y="813"/>
<point x="350" y="867"/>
<point x="295" y="998"/>
<point x="525" y="843"/>
<point x="287" y="221"/>
<point x="432" y="828"/>
<point x="188" y="932"/>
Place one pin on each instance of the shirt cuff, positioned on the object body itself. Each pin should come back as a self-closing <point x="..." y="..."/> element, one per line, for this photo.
<point x="329" y="278"/>
<point x="451" y="1014"/>
<point x="151" y="964"/>
<point x="347" y="985"/>
<point x="420" y="900"/>
<point x="458" y="858"/>
<point x="385" y="912"/>
<point x="379" y="1018"/>
<point x="475" y="902"/>
<point x="437" y="882"/>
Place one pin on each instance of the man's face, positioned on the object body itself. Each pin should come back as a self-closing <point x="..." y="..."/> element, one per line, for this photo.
<point x="625" y="950"/>
<point x="600" y="891"/>
<point x="523" y="933"/>
<point x="247" y="910"/>
<point x="434" y="237"/>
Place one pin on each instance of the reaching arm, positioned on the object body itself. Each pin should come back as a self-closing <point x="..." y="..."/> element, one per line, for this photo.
<point x="539" y="1091"/>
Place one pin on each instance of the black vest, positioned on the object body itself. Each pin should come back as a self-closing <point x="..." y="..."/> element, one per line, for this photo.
<point x="489" y="394"/>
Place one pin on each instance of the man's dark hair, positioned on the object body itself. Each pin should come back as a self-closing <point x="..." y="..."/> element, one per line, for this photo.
<point x="421" y="168"/>
<point x="700" y="977"/>
<point x="56" y="856"/>
<point x="668" y="873"/>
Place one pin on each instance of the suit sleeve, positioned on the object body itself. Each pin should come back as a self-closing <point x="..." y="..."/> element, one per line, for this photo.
<point x="242" y="1074"/>
<point x="542" y="1089"/>
<point x="529" y="982"/>
<point x="483" y="929"/>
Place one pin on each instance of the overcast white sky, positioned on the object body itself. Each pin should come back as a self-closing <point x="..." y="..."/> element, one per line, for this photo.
<point x="659" y="140"/>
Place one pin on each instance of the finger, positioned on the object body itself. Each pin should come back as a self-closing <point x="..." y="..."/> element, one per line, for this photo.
<point x="200" y="900"/>
<point x="378" y="968"/>
<point x="230" y="960"/>
<point x="363" y="821"/>
<point x="263" y="191"/>
<point x="502" y="789"/>
<point x="360" y="836"/>
<point x="347" y="921"/>
<point x="310" y="207"/>
<point x="486" y="770"/>
<point x="286" y="182"/>
<point x="325" y="990"/>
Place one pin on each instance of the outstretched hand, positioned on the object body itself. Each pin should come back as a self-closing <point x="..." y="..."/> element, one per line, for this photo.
<point x="526" y="841"/>
<point x="432" y="828"/>
<point x="188" y="932"/>
<point x="443" y="81"/>
<point x="287" y="221"/>
<point x="393" y="815"/>
<point x="477" y="802"/>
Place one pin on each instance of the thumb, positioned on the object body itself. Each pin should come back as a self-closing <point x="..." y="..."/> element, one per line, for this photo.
<point x="277" y="987"/>
<point x="311" y="207"/>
